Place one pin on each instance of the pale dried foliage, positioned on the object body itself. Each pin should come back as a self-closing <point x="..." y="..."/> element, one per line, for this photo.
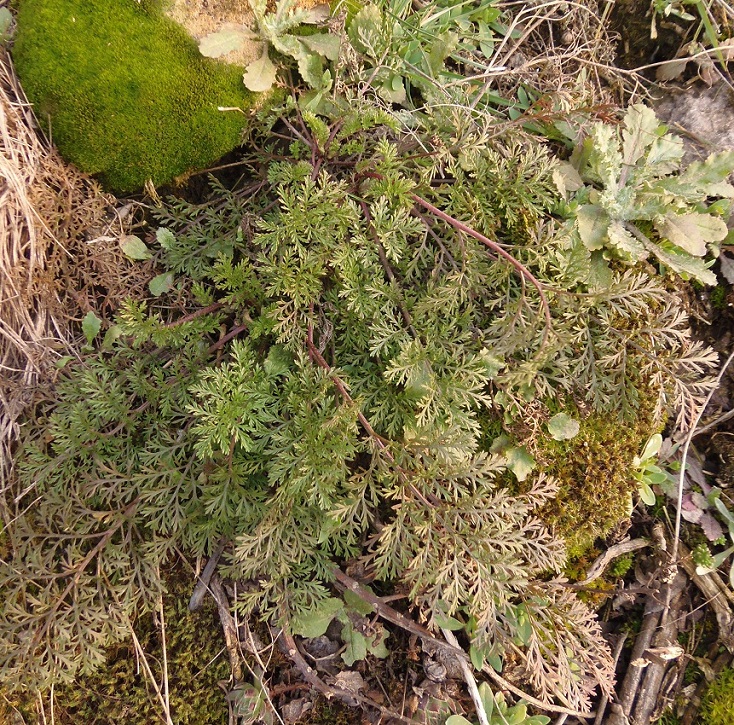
<point x="50" y="268"/>
<point x="559" y="47"/>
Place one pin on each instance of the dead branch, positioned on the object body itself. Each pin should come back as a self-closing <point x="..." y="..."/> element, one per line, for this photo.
<point x="602" y="561"/>
<point x="330" y="691"/>
<point x="228" y="626"/>
<point x="202" y="585"/>
<point x="661" y="656"/>
<point x="469" y="678"/>
<point x="395" y="617"/>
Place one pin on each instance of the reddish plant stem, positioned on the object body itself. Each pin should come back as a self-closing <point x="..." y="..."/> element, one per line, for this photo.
<point x="319" y="358"/>
<point x="388" y="269"/>
<point x="224" y="340"/>
<point x="194" y="315"/>
<point x="392" y="615"/>
<point x="379" y="440"/>
<point x="499" y="251"/>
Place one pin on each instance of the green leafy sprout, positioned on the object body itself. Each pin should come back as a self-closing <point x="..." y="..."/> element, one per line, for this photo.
<point x="629" y="199"/>
<point x="706" y="561"/>
<point x="499" y="712"/>
<point x="646" y="471"/>
<point x="274" y="30"/>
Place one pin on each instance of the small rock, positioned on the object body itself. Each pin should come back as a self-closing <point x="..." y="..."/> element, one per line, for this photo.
<point x="295" y="709"/>
<point x="434" y="670"/>
<point x="321" y="647"/>
<point x="350" y="681"/>
<point x="703" y="116"/>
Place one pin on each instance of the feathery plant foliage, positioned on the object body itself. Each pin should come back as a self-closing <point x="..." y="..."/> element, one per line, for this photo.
<point x="357" y="319"/>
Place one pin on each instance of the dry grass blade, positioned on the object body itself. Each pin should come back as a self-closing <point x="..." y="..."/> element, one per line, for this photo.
<point x="26" y="323"/>
<point x="50" y="273"/>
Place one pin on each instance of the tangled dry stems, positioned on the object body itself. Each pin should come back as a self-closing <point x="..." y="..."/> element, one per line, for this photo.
<point x="562" y="48"/>
<point x="50" y="272"/>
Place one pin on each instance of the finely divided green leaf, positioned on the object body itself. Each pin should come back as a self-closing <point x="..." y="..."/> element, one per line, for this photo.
<point x="365" y="31"/>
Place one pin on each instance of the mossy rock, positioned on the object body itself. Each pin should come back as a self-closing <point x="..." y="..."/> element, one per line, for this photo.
<point x="125" y="91"/>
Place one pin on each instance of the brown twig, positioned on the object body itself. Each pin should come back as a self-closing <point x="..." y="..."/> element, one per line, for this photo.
<point x="661" y="657"/>
<point x="546" y="706"/>
<point x="604" y="700"/>
<point x="393" y="616"/>
<point x="330" y="691"/>
<point x="469" y="678"/>
<point x="195" y="315"/>
<point x="202" y="584"/>
<point x="226" y="338"/>
<point x="228" y="626"/>
<point x="602" y="561"/>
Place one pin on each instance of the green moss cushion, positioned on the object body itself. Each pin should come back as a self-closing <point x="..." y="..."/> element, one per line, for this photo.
<point x="125" y="90"/>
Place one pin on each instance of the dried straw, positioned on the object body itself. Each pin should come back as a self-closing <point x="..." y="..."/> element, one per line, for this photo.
<point x="47" y="210"/>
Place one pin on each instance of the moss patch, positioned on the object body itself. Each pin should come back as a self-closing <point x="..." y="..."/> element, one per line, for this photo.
<point x="718" y="704"/>
<point x="126" y="92"/>
<point x="594" y="470"/>
<point x="120" y="692"/>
